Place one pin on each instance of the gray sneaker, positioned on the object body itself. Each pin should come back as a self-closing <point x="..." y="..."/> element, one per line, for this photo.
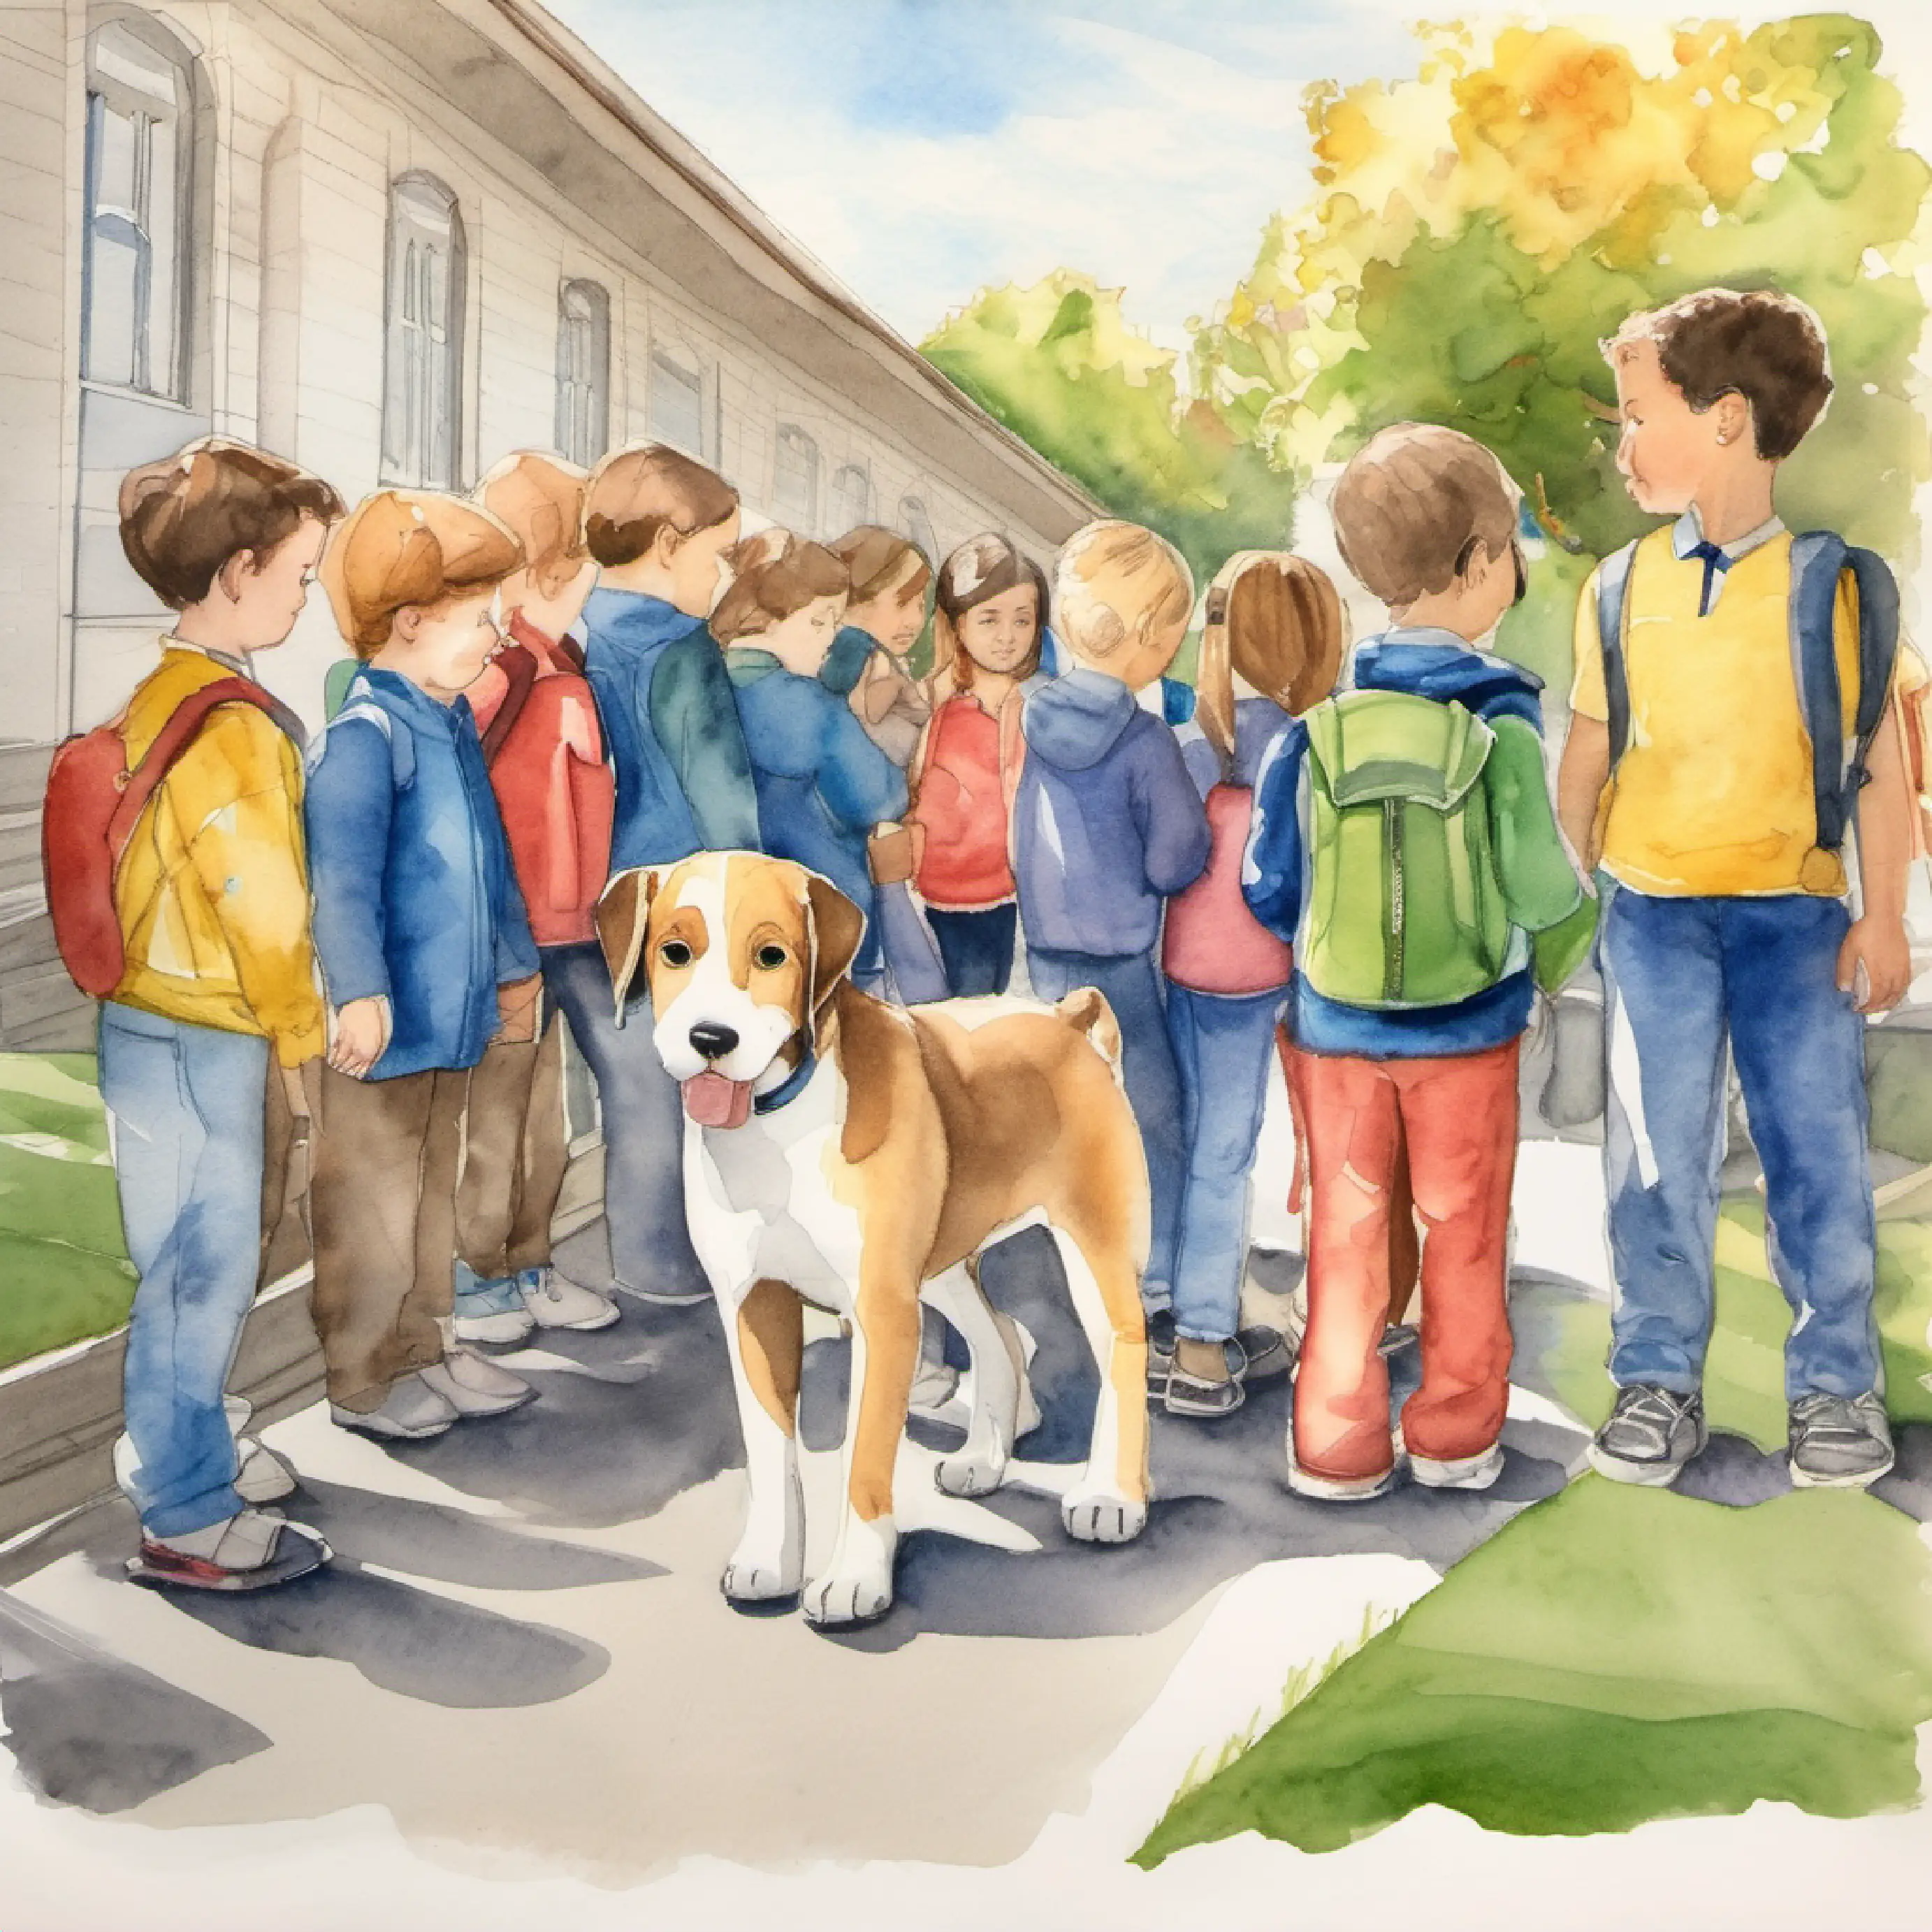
<point x="1839" y="1441"/>
<point x="1652" y="1432"/>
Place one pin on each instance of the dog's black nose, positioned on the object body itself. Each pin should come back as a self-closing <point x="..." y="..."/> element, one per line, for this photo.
<point x="713" y="1042"/>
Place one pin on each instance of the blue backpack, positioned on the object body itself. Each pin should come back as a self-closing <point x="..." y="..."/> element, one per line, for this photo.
<point x="1839" y="771"/>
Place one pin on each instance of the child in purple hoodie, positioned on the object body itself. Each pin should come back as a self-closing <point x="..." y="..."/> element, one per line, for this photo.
<point x="1108" y="825"/>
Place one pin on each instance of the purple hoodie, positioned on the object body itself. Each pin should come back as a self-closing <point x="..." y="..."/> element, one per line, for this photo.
<point x="1107" y="825"/>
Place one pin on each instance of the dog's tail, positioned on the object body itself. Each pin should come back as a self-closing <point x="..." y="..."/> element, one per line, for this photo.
<point x="1085" y="1010"/>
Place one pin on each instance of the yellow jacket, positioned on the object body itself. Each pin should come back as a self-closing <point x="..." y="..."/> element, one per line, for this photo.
<point x="213" y="892"/>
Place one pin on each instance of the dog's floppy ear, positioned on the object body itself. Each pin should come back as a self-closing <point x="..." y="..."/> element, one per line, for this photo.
<point x="622" y="913"/>
<point x="837" y="927"/>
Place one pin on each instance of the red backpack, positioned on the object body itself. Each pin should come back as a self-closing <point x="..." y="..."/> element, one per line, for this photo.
<point x="93" y="802"/>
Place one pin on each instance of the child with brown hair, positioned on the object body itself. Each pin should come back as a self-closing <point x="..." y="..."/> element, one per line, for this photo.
<point x="883" y="618"/>
<point x="660" y="528"/>
<point x="425" y="952"/>
<point x="989" y="620"/>
<point x="1270" y="647"/>
<point x="545" y="750"/>
<point x="822" y="784"/>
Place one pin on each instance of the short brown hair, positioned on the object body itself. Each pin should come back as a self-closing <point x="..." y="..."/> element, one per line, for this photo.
<point x="1276" y="620"/>
<point x="1413" y="506"/>
<point x="980" y="569"/>
<point x="778" y="575"/>
<point x="1157" y="584"/>
<point x="182" y="518"/>
<point x="1766" y="347"/>
<point x="635" y="493"/>
<point x="405" y="546"/>
<point x="539" y="500"/>
<point x="875" y="556"/>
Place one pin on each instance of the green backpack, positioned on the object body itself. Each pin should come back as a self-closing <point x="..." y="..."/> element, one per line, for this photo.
<point x="1406" y="906"/>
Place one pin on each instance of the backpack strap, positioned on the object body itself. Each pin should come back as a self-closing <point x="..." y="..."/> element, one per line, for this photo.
<point x="360" y="704"/>
<point x="1613" y="577"/>
<point x="1819" y="560"/>
<point x="182" y="728"/>
<point x="519" y="667"/>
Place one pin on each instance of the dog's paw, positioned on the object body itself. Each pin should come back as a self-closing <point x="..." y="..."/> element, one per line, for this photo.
<point x="757" y="1577"/>
<point x="1102" y="1517"/>
<point x="841" y="1598"/>
<point x="964" y="1475"/>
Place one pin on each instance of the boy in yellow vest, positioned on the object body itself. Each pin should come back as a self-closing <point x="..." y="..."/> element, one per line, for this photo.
<point x="1688" y="776"/>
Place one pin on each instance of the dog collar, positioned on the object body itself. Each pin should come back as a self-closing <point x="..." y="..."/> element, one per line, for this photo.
<point x="788" y="1089"/>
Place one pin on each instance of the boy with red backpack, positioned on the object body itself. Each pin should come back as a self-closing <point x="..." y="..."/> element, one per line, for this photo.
<point x="1733" y="716"/>
<point x="205" y="970"/>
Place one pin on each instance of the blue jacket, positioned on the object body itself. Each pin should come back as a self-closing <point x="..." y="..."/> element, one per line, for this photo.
<point x="684" y="777"/>
<point x="416" y="900"/>
<point x="1426" y="663"/>
<point x="1258" y="722"/>
<point x="1107" y="824"/>
<point x="845" y="663"/>
<point x="822" y="784"/>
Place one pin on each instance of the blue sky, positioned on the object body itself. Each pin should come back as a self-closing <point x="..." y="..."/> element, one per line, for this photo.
<point x="924" y="149"/>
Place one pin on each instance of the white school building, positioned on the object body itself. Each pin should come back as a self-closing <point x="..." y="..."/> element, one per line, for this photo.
<point x="391" y="239"/>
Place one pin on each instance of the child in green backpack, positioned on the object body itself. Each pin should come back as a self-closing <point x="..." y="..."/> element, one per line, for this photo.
<point x="1404" y="841"/>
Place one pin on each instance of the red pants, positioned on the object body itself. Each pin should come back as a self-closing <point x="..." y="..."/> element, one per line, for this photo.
<point x="1456" y="1116"/>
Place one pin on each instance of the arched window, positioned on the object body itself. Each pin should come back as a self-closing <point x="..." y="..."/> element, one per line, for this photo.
<point x="795" y="482"/>
<point x="915" y="523"/>
<point x="422" y="387"/>
<point x="851" y="498"/>
<point x="583" y="372"/>
<point x="136" y="278"/>
<point x="676" y="402"/>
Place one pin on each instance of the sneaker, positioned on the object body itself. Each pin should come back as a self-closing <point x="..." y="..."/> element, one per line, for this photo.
<point x="263" y="1476"/>
<point x="1839" y="1441"/>
<point x="1458" y="1472"/>
<point x="1255" y="1354"/>
<point x="1652" y="1432"/>
<point x="1160" y="1351"/>
<point x="472" y="1387"/>
<point x="412" y="1412"/>
<point x="670" y="1298"/>
<point x="553" y="1300"/>
<point x="494" y="1312"/>
<point x="1341" y="1489"/>
<point x="253" y="1551"/>
<point x="1208" y="1396"/>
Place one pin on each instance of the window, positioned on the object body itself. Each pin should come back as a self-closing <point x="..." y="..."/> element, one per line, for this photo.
<point x="139" y="157"/>
<point x="676" y="404"/>
<point x="583" y="372"/>
<point x="851" y="498"/>
<point x="421" y="414"/>
<point x="915" y="523"/>
<point x="795" y="482"/>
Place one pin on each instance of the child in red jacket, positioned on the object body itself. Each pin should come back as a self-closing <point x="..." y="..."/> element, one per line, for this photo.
<point x="544" y="748"/>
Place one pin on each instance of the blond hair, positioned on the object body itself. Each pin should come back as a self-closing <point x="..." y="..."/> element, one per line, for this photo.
<point x="1275" y="620"/>
<point x="401" y="548"/>
<point x="1114" y="581"/>
<point x="539" y="500"/>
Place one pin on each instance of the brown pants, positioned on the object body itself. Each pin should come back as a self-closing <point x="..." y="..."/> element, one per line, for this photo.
<point x="383" y="1208"/>
<point x="513" y="1156"/>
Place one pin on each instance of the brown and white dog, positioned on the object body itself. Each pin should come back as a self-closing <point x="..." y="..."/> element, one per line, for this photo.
<point x="857" y="1155"/>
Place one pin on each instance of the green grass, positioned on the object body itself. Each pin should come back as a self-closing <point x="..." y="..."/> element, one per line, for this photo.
<point x="1613" y="1655"/>
<point x="65" y="1274"/>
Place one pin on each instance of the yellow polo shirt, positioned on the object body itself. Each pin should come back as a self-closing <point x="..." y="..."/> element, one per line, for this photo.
<point x="1713" y="794"/>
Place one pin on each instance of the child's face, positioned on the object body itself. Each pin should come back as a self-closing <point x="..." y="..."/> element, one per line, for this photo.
<point x="801" y="641"/>
<point x="269" y="592"/>
<point x="999" y="635"/>
<point x="443" y="647"/>
<point x="552" y="607"/>
<point x="1668" y="450"/>
<point x="699" y="575"/>
<point x="896" y="615"/>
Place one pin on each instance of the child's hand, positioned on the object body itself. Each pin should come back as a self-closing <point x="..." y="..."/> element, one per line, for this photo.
<point x="516" y="1011"/>
<point x="1876" y="953"/>
<point x="361" y="1032"/>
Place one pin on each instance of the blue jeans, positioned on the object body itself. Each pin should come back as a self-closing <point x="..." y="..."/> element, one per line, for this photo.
<point x="184" y="1106"/>
<point x="1223" y="1045"/>
<point x="977" y="946"/>
<point x="1680" y="976"/>
<point x="1133" y="988"/>
<point x="643" y="1126"/>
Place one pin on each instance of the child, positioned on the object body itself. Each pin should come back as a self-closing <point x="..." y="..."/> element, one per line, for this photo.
<point x="1728" y="921"/>
<point x="884" y="618"/>
<point x="658" y="526"/>
<point x="822" y="784"/>
<point x="545" y="752"/>
<point x="1108" y="825"/>
<point x="1411" y="990"/>
<point x="989" y="622"/>
<point x="1270" y="647"/>
<point x="425" y="952"/>
<point x="218" y="988"/>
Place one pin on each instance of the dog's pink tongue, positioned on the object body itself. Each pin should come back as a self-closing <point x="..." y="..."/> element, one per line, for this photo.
<point x="712" y="1101"/>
